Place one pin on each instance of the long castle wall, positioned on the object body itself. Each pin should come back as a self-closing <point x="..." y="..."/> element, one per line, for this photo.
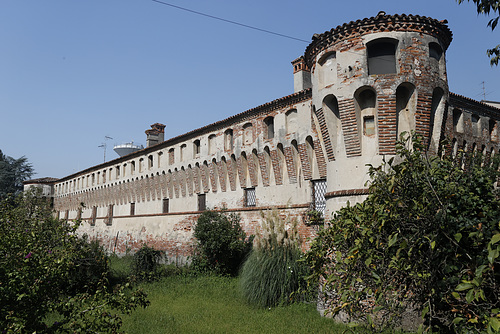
<point x="358" y="87"/>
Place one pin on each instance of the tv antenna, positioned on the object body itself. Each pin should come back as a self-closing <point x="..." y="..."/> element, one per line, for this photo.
<point x="104" y="145"/>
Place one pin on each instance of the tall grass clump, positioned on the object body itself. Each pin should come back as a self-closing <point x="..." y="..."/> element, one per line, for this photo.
<point x="273" y="273"/>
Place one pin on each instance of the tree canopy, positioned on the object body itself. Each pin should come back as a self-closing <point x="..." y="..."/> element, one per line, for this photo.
<point x="427" y="237"/>
<point x="488" y="7"/>
<point x="12" y="174"/>
<point x="51" y="279"/>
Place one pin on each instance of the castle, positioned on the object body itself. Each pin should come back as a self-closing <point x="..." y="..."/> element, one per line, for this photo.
<point x="356" y="89"/>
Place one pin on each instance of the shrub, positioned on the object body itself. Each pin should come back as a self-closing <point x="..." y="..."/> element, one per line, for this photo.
<point x="221" y="243"/>
<point x="146" y="262"/>
<point x="41" y="259"/>
<point x="273" y="271"/>
<point x="427" y="236"/>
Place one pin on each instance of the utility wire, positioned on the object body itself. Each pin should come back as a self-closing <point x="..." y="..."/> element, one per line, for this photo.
<point x="229" y="21"/>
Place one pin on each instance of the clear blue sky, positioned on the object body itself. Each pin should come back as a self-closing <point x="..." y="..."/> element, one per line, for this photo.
<point x="74" y="71"/>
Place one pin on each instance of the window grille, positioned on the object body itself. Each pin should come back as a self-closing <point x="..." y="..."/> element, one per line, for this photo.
<point x="250" y="198"/>
<point x="318" y="196"/>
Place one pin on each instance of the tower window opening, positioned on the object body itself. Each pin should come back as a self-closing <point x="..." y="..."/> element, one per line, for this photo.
<point x="382" y="57"/>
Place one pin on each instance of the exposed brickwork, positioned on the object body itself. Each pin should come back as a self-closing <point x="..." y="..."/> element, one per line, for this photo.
<point x="320" y="159"/>
<point x="387" y="124"/>
<point x="242" y="171"/>
<point x="325" y="134"/>
<point x="264" y="169"/>
<point x="213" y="176"/>
<point x="232" y="171"/>
<point x="196" y="179"/>
<point x="305" y="161"/>
<point x="253" y="169"/>
<point x="423" y="114"/>
<point x="205" y="176"/>
<point x="182" y="177"/>
<point x="277" y="168"/>
<point x="222" y="175"/>
<point x="350" y="127"/>
<point x="290" y="164"/>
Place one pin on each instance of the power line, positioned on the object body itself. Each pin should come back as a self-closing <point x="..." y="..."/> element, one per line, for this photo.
<point x="229" y="21"/>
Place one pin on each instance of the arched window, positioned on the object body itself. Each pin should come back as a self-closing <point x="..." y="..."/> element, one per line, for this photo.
<point x="437" y="113"/>
<point x="458" y="120"/>
<point x="493" y="130"/>
<point x="476" y="125"/>
<point x="435" y="51"/>
<point x="196" y="148"/>
<point x="183" y="152"/>
<point x="327" y="69"/>
<point x="382" y="56"/>
<point x="171" y="156"/>
<point x="269" y="127"/>
<point x="406" y="104"/>
<point x="247" y="134"/>
<point x="132" y="167"/>
<point x="228" y="139"/>
<point x="366" y="112"/>
<point x="211" y="144"/>
<point x="291" y="121"/>
<point x="332" y="116"/>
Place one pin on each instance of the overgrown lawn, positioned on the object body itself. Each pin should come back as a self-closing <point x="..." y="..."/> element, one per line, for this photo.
<point x="209" y="304"/>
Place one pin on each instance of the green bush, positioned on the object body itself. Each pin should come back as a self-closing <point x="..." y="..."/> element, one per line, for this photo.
<point x="427" y="237"/>
<point x="221" y="243"/>
<point x="146" y="263"/>
<point x="273" y="272"/>
<point x="46" y="268"/>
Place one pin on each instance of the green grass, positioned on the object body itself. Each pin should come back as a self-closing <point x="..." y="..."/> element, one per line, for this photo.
<point x="211" y="304"/>
<point x="181" y="303"/>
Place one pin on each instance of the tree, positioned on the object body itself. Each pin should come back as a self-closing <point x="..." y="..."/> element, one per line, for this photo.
<point x="52" y="280"/>
<point x="12" y="174"/>
<point x="486" y="7"/>
<point x="221" y="243"/>
<point x="426" y="237"/>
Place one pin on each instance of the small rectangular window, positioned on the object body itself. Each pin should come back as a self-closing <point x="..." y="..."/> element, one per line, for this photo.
<point x="250" y="198"/>
<point x="202" y="202"/>
<point x="165" y="205"/>
<point x="110" y="215"/>
<point x="318" y="196"/>
<point x="132" y="209"/>
<point x="94" y="216"/>
<point x="369" y="125"/>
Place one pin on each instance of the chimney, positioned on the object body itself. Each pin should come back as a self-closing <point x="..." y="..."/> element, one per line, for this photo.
<point x="301" y="75"/>
<point x="155" y="135"/>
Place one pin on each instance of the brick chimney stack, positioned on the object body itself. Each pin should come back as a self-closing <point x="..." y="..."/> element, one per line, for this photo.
<point x="155" y="135"/>
<point x="301" y="75"/>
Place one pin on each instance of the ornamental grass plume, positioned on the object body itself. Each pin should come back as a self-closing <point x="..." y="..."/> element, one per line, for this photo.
<point x="273" y="274"/>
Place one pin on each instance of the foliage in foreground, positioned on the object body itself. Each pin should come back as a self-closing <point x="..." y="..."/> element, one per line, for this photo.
<point x="146" y="263"/>
<point x="486" y="7"/>
<point x="273" y="272"/>
<point x="221" y="243"/>
<point x="46" y="269"/>
<point x="427" y="236"/>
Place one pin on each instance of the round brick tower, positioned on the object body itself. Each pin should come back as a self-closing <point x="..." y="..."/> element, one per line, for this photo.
<point x="372" y="80"/>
